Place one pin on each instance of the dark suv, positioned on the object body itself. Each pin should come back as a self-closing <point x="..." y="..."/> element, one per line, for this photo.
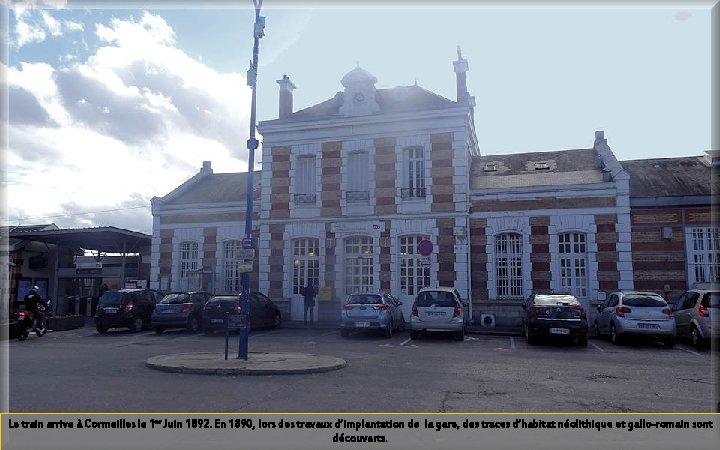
<point x="126" y="308"/>
<point x="180" y="309"/>
<point x="554" y="315"/>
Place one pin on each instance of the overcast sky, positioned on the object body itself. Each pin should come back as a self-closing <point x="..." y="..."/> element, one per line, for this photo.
<point x="110" y="107"/>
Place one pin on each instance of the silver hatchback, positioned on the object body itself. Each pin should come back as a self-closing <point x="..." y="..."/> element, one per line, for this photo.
<point x="438" y="309"/>
<point x="372" y="312"/>
<point x="635" y="313"/>
<point x="694" y="313"/>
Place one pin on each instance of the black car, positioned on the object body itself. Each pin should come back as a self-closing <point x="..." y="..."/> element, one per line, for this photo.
<point x="559" y="315"/>
<point x="126" y="308"/>
<point x="263" y="312"/>
<point x="180" y="310"/>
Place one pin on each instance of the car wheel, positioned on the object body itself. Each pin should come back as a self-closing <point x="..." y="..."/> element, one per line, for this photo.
<point x="208" y="332"/>
<point x="402" y="324"/>
<point x="388" y="331"/>
<point x="193" y="324"/>
<point x="669" y="342"/>
<point x="159" y="330"/>
<point x="101" y="330"/>
<point x="597" y="331"/>
<point x="278" y="321"/>
<point x="582" y="341"/>
<point x="344" y="332"/>
<point x="460" y="335"/>
<point x="695" y="338"/>
<point x="528" y="336"/>
<point x="414" y="334"/>
<point x="615" y="337"/>
<point x="136" y="325"/>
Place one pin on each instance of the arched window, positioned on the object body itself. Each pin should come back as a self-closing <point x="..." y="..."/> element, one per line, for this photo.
<point x="508" y="265"/>
<point x="231" y="258"/>
<point x="358" y="264"/>
<point x="306" y="263"/>
<point x="189" y="264"/>
<point x="573" y="263"/>
<point x="414" y="268"/>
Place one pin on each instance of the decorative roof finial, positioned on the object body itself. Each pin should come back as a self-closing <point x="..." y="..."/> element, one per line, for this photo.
<point x="459" y="53"/>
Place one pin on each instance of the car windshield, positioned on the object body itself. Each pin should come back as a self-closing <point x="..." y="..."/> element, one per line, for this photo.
<point x="112" y="298"/>
<point x="438" y="298"/>
<point x="222" y="300"/>
<point x="174" y="299"/>
<point x="711" y="300"/>
<point x="643" y="300"/>
<point x="364" y="300"/>
<point x="555" y="300"/>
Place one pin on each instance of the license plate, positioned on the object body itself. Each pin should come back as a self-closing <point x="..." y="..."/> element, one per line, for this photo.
<point x="217" y="320"/>
<point x="362" y="324"/>
<point x="110" y="310"/>
<point x="559" y="331"/>
<point x="652" y="326"/>
<point x="435" y="313"/>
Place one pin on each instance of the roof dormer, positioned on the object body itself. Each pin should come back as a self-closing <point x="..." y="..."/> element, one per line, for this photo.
<point x="359" y="95"/>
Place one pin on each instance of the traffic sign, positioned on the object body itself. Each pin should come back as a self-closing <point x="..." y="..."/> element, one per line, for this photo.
<point x="425" y="247"/>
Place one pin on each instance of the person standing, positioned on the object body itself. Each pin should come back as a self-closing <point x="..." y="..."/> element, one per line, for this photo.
<point x="309" y="294"/>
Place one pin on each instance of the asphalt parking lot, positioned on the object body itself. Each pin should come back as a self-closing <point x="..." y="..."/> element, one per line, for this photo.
<point x="83" y="371"/>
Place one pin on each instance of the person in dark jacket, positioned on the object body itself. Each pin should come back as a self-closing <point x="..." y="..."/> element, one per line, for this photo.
<point x="309" y="294"/>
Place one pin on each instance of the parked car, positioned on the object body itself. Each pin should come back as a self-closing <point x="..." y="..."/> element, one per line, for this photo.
<point x="635" y="313"/>
<point x="555" y="314"/>
<point x="180" y="310"/>
<point x="126" y="308"/>
<point x="694" y="312"/>
<point x="263" y="312"/>
<point x="438" y="309"/>
<point x="369" y="311"/>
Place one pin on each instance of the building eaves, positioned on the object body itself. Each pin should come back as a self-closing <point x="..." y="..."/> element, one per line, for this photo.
<point x="670" y="177"/>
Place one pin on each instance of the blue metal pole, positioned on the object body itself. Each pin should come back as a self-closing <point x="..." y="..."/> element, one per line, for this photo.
<point x="252" y="144"/>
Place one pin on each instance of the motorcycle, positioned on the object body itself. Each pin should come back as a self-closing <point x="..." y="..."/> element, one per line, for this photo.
<point x="28" y="323"/>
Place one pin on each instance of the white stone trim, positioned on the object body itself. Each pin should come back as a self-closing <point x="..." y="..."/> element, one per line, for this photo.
<point x="498" y="225"/>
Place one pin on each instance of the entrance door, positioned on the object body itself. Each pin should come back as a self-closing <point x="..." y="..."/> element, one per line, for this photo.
<point x="414" y="272"/>
<point x="573" y="266"/>
<point x="306" y="267"/>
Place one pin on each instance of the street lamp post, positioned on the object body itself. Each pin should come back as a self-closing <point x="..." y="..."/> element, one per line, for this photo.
<point x="252" y="144"/>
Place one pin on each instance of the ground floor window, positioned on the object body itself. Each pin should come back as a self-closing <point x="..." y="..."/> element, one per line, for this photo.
<point x="703" y="244"/>
<point x="414" y="268"/>
<point x="231" y="258"/>
<point x="189" y="264"/>
<point x="508" y="265"/>
<point x="358" y="264"/>
<point x="306" y="263"/>
<point x="573" y="263"/>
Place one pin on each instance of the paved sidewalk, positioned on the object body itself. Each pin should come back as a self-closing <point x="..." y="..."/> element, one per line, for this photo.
<point x="258" y="363"/>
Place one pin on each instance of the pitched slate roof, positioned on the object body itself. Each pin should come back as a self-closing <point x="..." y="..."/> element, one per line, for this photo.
<point x="519" y="170"/>
<point x="393" y="100"/>
<point x="215" y="188"/>
<point x="670" y="177"/>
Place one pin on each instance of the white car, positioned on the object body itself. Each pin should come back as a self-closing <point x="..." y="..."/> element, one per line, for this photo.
<point x="635" y="313"/>
<point x="438" y="309"/>
<point x="696" y="316"/>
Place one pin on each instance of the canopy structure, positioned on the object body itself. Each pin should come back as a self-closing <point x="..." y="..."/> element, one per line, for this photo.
<point x="100" y="239"/>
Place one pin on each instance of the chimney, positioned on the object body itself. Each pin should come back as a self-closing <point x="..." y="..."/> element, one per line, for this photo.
<point x="286" y="96"/>
<point x="206" y="167"/>
<point x="461" y="66"/>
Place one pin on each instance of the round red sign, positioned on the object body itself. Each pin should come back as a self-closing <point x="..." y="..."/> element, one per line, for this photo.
<point x="425" y="247"/>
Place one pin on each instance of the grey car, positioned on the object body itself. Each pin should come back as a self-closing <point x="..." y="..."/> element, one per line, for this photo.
<point x="626" y="313"/>
<point x="368" y="311"/>
<point x="438" y="309"/>
<point x="694" y="313"/>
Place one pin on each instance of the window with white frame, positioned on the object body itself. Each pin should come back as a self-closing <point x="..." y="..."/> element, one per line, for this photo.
<point x="414" y="164"/>
<point x="306" y="263"/>
<point x="414" y="268"/>
<point x="189" y="264"/>
<point x="305" y="183"/>
<point x="358" y="183"/>
<point x="358" y="264"/>
<point x="572" y="250"/>
<point x="703" y="247"/>
<point x="508" y="265"/>
<point x="231" y="258"/>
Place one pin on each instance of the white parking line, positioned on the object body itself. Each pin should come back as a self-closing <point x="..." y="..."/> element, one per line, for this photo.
<point x="512" y="342"/>
<point x="312" y="339"/>
<point x="405" y="341"/>
<point x="688" y="350"/>
<point x="596" y="346"/>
